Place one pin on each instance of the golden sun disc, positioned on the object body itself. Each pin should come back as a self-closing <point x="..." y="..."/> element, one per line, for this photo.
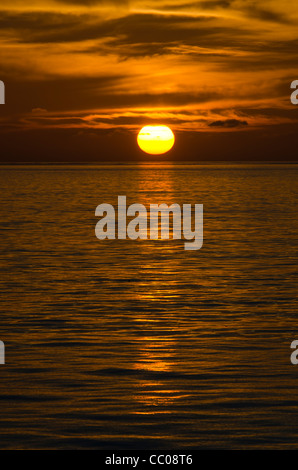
<point x="156" y="139"/>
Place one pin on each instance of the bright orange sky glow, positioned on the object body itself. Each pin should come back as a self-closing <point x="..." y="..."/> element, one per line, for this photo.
<point x="94" y="67"/>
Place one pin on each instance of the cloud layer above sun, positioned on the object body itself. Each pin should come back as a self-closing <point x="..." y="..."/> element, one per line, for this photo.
<point x="216" y="65"/>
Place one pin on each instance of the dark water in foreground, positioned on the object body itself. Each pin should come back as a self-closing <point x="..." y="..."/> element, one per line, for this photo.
<point x="141" y="344"/>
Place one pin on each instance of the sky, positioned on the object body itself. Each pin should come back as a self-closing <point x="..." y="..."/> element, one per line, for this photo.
<point x="83" y="76"/>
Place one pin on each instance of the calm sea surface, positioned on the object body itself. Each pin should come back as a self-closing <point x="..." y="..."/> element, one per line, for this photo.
<point x="126" y="344"/>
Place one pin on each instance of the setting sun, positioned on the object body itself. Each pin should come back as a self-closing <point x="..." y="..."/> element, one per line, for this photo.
<point x="156" y="139"/>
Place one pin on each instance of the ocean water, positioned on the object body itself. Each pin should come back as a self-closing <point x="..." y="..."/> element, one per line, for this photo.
<point x="125" y="344"/>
